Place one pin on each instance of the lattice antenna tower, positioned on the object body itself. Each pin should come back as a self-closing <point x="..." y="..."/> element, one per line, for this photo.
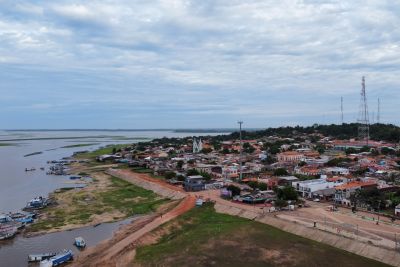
<point x="363" y="116"/>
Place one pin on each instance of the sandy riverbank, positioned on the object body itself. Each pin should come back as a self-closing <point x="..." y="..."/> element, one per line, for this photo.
<point x="104" y="199"/>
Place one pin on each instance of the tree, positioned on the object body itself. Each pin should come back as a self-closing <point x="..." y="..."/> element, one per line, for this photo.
<point x="320" y="148"/>
<point x="180" y="178"/>
<point x="302" y="163"/>
<point x="280" y="172"/>
<point x="169" y="175"/>
<point x="365" y="149"/>
<point x="225" y="151"/>
<point x="179" y="164"/>
<point x="216" y="145"/>
<point x="350" y="150"/>
<point x="206" y="150"/>
<point x="247" y="148"/>
<point x="192" y="172"/>
<point x="206" y="176"/>
<point x="114" y="150"/>
<point x="234" y="190"/>
<point x="287" y="193"/>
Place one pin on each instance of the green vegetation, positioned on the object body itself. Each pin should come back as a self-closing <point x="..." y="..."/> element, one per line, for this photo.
<point x="202" y="237"/>
<point x="120" y="196"/>
<point x="101" y="151"/>
<point x="338" y="162"/>
<point x="7" y="144"/>
<point x="79" y="145"/>
<point x="281" y="172"/>
<point x="286" y="193"/>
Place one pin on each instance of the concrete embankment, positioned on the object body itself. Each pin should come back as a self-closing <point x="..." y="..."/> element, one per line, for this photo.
<point x="387" y="256"/>
<point x="142" y="180"/>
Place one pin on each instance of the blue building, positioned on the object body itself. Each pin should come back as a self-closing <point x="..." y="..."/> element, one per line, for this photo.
<point x="194" y="183"/>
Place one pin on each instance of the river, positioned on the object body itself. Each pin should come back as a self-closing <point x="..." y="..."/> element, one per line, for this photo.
<point x="18" y="186"/>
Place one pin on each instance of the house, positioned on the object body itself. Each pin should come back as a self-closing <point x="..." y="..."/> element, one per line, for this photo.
<point x="397" y="210"/>
<point x="343" y="192"/>
<point x="308" y="170"/>
<point x="336" y="171"/>
<point x="194" y="183"/>
<point x="290" y="156"/>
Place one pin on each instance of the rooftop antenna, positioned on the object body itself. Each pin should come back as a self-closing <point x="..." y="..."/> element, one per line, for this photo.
<point x="378" y="117"/>
<point x="363" y="117"/>
<point x="240" y="157"/>
<point x="341" y="109"/>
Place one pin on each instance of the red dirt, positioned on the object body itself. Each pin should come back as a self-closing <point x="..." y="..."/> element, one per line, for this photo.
<point x="118" y="250"/>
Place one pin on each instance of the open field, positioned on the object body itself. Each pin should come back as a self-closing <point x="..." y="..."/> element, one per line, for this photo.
<point x="105" y="199"/>
<point x="7" y="144"/>
<point x="202" y="237"/>
<point x="79" y="145"/>
<point x="101" y="151"/>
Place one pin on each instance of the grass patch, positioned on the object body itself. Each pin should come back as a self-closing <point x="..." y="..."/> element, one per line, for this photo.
<point x="81" y="206"/>
<point x="101" y="151"/>
<point x="7" y="144"/>
<point x="79" y="145"/>
<point x="202" y="237"/>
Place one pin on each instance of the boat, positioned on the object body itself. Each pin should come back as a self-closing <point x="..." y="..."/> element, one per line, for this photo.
<point x="19" y="215"/>
<point x="40" y="257"/>
<point x="60" y="258"/>
<point x="7" y="231"/>
<point x="24" y="220"/>
<point x="80" y="242"/>
<point x="42" y="168"/>
<point x="30" y="170"/>
<point x="75" y="177"/>
<point x="36" y="203"/>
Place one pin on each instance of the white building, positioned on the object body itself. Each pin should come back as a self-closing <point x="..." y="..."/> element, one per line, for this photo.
<point x="309" y="188"/>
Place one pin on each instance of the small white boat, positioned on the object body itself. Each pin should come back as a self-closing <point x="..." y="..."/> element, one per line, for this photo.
<point x="40" y="257"/>
<point x="80" y="242"/>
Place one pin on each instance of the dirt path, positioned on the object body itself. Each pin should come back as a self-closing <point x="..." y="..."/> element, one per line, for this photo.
<point x="120" y="251"/>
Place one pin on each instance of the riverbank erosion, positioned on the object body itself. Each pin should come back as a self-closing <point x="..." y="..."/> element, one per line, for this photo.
<point x="104" y="199"/>
<point x="120" y="250"/>
<point x="151" y="240"/>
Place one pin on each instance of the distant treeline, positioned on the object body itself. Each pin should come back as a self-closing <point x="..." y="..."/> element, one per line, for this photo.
<point x="384" y="132"/>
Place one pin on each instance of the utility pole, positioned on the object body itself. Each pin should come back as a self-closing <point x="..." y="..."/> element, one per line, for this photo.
<point x="241" y="150"/>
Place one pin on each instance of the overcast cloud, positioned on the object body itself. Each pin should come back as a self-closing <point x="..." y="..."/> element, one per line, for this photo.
<point x="181" y="64"/>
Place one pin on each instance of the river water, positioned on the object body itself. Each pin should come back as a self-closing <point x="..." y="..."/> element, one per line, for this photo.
<point x="18" y="186"/>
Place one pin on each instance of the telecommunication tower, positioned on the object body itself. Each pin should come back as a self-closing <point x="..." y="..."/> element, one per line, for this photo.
<point x="363" y="117"/>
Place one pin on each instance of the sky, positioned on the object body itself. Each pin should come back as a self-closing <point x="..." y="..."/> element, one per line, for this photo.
<point x="196" y="64"/>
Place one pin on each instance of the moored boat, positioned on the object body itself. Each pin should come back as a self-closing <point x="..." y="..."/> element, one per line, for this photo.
<point x="80" y="242"/>
<point x="7" y="231"/>
<point x="36" y="203"/>
<point x="60" y="258"/>
<point x="40" y="256"/>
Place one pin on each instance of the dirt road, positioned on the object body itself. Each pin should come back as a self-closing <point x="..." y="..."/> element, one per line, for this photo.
<point x="119" y="251"/>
